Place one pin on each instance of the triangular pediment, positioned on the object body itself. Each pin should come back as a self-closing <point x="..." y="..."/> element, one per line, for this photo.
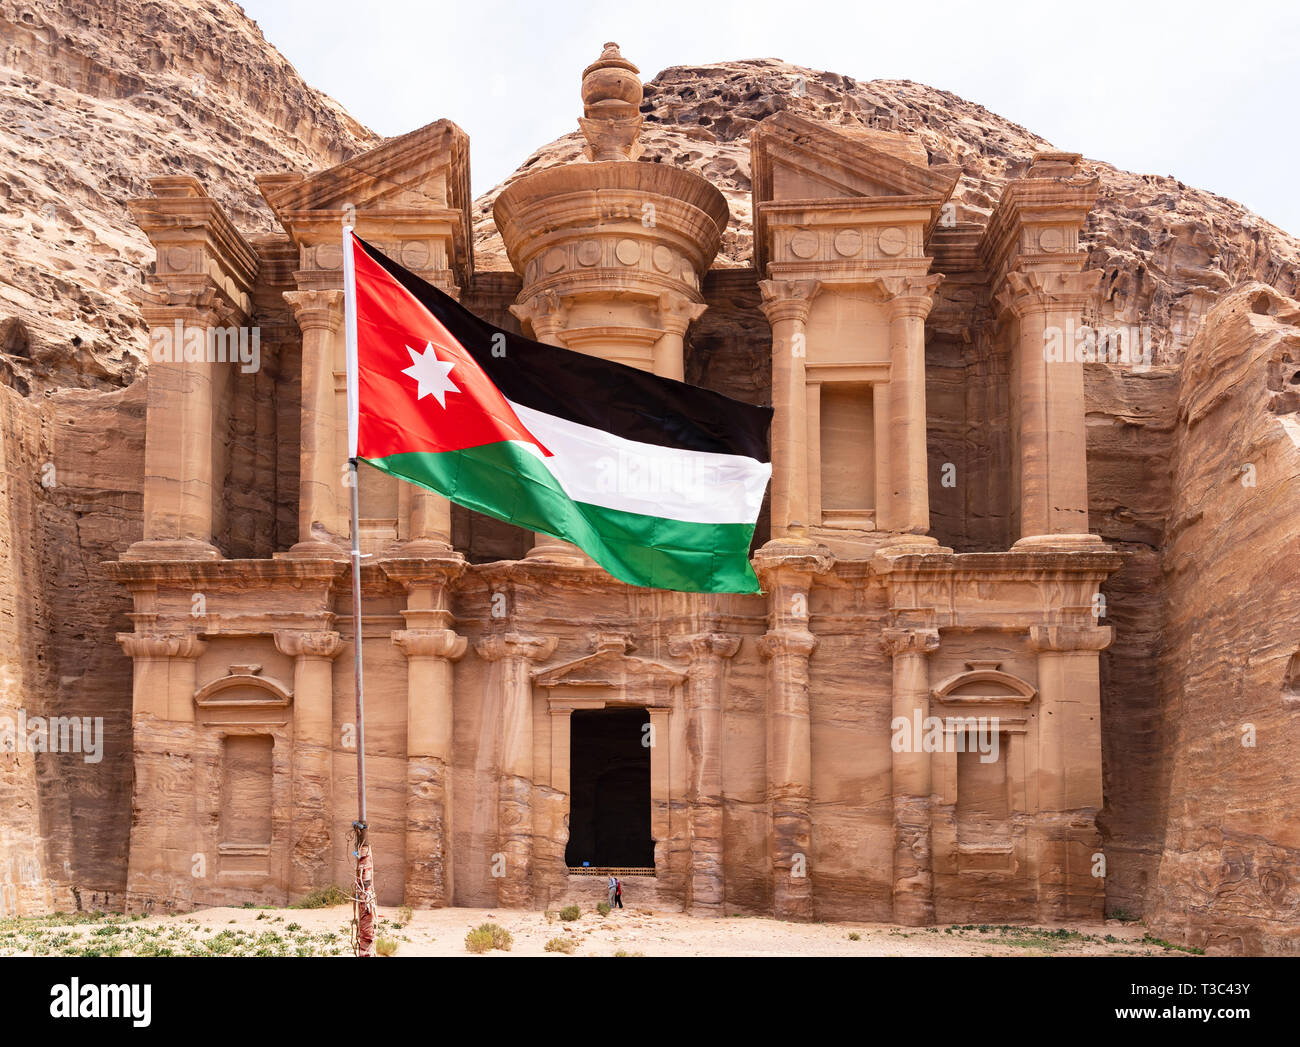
<point x="426" y="168"/>
<point x="795" y="158"/>
<point x="610" y="668"/>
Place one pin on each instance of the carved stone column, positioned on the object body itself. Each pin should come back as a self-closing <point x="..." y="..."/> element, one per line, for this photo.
<point x="909" y="304"/>
<point x="786" y="304"/>
<point x="514" y="799"/>
<point x="1069" y="769"/>
<point x="676" y="314"/>
<point x="911" y="777"/>
<point x="429" y="656"/>
<point x="1050" y="430"/>
<point x="322" y="523"/>
<point x="431" y="647"/>
<point x="708" y="653"/>
<point x="181" y="490"/>
<point x="787" y="573"/>
<point x="164" y="836"/>
<point x="311" y="854"/>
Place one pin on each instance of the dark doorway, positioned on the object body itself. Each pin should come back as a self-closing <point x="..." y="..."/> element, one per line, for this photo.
<point x="609" y="777"/>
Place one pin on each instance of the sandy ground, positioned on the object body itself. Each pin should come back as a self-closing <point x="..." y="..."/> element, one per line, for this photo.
<point x="633" y="931"/>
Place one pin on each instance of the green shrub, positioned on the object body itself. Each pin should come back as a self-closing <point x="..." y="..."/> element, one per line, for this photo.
<point x="385" y="946"/>
<point x="624" y="952"/>
<point x="478" y="941"/>
<point x="854" y="936"/>
<point x="603" y="908"/>
<point x="489" y="936"/>
<point x="570" y="912"/>
<point x="564" y="945"/>
<point x="322" y="898"/>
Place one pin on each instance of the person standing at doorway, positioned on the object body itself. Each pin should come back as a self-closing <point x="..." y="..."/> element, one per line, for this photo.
<point x="613" y="890"/>
<point x="618" y="893"/>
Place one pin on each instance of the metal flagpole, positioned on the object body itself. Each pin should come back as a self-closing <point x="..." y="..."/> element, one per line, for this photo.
<point x="363" y="892"/>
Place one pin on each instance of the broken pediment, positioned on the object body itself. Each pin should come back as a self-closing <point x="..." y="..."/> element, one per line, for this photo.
<point x="611" y="666"/>
<point x="798" y="161"/>
<point x="795" y="158"/>
<point x="419" y="179"/>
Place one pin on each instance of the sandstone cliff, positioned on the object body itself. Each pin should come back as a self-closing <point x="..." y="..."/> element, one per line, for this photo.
<point x="96" y="97"/>
<point x="1230" y="661"/>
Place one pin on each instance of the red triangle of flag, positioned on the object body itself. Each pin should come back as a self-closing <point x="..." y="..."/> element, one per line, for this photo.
<point x="419" y="389"/>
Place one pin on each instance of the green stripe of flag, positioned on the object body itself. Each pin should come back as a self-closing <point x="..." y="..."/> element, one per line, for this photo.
<point x="512" y="484"/>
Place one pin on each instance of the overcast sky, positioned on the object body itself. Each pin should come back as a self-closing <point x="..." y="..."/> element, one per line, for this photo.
<point x="1206" y="92"/>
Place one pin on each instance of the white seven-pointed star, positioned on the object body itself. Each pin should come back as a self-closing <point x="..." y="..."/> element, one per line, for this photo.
<point x="430" y="375"/>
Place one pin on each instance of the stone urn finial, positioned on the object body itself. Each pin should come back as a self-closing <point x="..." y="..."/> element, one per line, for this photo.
<point x="611" y="105"/>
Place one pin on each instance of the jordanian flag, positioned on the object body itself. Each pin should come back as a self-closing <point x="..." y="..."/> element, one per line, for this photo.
<point x="657" y="481"/>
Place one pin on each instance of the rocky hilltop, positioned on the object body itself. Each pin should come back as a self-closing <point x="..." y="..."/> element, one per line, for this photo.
<point x="95" y="98"/>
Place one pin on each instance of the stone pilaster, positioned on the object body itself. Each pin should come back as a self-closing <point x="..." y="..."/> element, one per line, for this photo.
<point x="322" y="514"/>
<point x="164" y="836"/>
<point x="913" y="877"/>
<point x="431" y="647"/>
<point x="181" y="490"/>
<point x="708" y="653"/>
<point x="787" y="571"/>
<point x="1070" y="793"/>
<point x="429" y="710"/>
<point x="311" y="852"/>
<point x="786" y="304"/>
<point x="1051" y="438"/>
<point x="514" y="798"/>
<point x="907" y="508"/>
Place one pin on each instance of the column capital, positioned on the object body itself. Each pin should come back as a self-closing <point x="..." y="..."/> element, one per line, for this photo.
<point x="1024" y="293"/>
<point x="1070" y="637"/>
<point x="546" y="312"/>
<point x="788" y="299"/>
<point x="786" y="561"/>
<point x="787" y="641"/>
<point x="311" y="643"/>
<point x="677" y="312"/>
<point x="515" y="645"/>
<point x="200" y="305"/>
<point x="897" y="641"/>
<point x="702" y="645"/>
<point x="430" y="643"/>
<point x="161" y="645"/>
<point x="909" y="296"/>
<point x="317" y="310"/>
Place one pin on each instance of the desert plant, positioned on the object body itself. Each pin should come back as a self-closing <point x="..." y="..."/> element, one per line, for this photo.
<point x="564" y="945"/>
<point x="385" y="946"/>
<point x="406" y="914"/>
<point x="478" y="941"/>
<point x="489" y="936"/>
<point x="602" y="908"/>
<point x="624" y="952"/>
<point x="323" y="898"/>
<point x="570" y="912"/>
<point x="854" y="936"/>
